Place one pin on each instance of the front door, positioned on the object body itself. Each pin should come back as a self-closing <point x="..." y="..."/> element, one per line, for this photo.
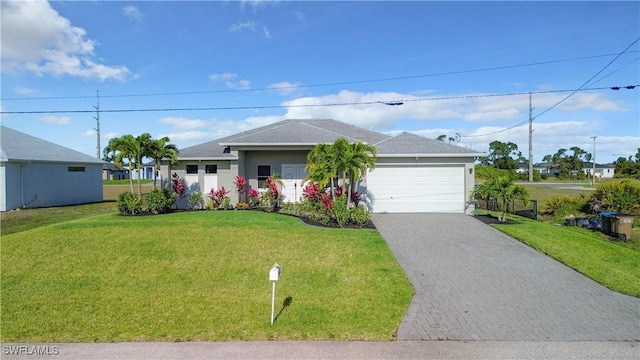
<point x="293" y="180"/>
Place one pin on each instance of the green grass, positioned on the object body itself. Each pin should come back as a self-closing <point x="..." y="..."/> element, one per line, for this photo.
<point x="21" y="220"/>
<point x="197" y="276"/>
<point x="615" y="265"/>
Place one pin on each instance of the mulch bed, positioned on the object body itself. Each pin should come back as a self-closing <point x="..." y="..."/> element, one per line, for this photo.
<point x="490" y="219"/>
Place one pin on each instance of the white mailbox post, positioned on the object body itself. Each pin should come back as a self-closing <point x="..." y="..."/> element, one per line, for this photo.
<point x="274" y="276"/>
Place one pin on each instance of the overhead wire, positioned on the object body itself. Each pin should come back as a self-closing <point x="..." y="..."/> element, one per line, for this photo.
<point x="290" y="87"/>
<point x="260" y="107"/>
<point x="571" y="94"/>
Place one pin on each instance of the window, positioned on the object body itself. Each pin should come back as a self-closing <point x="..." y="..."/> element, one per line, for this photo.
<point x="264" y="171"/>
<point x="211" y="169"/>
<point x="192" y="169"/>
<point x="76" y="168"/>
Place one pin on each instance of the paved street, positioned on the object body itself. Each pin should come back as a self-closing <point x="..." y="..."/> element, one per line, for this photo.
<point x="474" y="283"/>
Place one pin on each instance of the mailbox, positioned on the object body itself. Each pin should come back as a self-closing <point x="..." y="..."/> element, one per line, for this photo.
<point x="274" y="273"/>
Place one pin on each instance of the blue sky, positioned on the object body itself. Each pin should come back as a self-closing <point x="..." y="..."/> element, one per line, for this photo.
<point x="455" y="66"/>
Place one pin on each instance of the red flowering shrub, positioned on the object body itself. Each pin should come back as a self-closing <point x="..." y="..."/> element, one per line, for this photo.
<point x="254" y="197"/>
<point x="178" y="185"/>
<point x="241" y="186"/>
<point x="327" y="202"/>
<point x="311" y="192"/>
<point x="338" y="191"/>
<point x="217" y="196"/>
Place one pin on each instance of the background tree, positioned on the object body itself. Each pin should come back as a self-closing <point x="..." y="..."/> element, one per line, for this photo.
<point x="567" y="164"/>
<point x="628" y="167"/>
<point x="501" y="155"/>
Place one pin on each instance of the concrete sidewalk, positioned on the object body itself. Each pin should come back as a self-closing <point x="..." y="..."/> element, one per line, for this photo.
<point x="259" y="350"/>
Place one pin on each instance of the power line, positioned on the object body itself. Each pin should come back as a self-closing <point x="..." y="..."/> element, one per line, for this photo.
<point x="259" y="107"/>
<point x="572" y="92"/>
<point x="590" y="79"/>
<point x="271" y="88"/>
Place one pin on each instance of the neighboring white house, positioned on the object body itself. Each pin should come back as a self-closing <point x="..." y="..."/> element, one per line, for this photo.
<point x="412" y="173"/>
<point x="38" y="173"/>
<point x="603" y="171"/>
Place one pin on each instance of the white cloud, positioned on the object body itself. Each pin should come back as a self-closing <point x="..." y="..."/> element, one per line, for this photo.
<point x="58" y="120"/>
<point x="37" y="39"/>
<point x="183" y="123"/>
<point x="251" y="26"/>
<point x="89" y="133"/>
<point x="132" y="12"/>
<point x="230" y="80"/>
<point x="285" y="88"/>
<point x="110" y="135"/>
<point x="187" y="132"/>
<point x="266" y="33"/>
<point x="25" y="91"/>
<point x="248" y="25"/>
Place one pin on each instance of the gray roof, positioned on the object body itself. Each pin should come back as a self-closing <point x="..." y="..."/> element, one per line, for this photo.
<point x="18" y="146"/>
<point x="312" y="132"/>
<point x="406" y="143"/>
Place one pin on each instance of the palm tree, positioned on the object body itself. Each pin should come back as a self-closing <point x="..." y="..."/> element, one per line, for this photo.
<point x="363" y="157"/>
<point x="504" y="190"/>
<point x="159" y="150"/>
<point x="119" y="149"/>
<point x="321" y="166"/>
<point x="139" y="149"/>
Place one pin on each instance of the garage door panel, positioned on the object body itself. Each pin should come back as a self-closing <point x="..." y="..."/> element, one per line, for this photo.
<point x="416" y="189"/>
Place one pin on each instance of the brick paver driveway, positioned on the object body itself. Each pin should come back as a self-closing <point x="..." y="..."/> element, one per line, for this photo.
<point x="474" y="283"/>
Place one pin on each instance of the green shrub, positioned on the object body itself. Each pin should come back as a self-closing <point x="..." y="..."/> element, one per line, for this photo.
<point x="562" y="206"/>
<point x="621" y="197"/>
<point x="195" y="199"/>
<point x="129" y="203"/>
<point x="484" y="172"/>
<point x="341" y="211"/>
<point x="360" y="216"/>
<point x="242" y="206"/>
<point x="524" y="176"/>
<point x="160" y="201"/>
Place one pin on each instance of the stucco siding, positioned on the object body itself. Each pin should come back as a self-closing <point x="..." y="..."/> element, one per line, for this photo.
<point x="275" y="159"/>
<point x="47" y="184"/>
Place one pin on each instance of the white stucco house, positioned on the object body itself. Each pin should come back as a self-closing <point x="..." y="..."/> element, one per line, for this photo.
<point x="38" y="173"/>
<point x="412" y="173"/>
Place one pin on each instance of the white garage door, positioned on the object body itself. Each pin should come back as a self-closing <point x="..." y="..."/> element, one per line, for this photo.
<point x="397" y="189"/>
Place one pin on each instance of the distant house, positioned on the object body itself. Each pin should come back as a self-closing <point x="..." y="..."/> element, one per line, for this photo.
<point x="603" y="171"/>
<point x="146" y="170"/>
<point x="110" y="172"/>
<point x="38" y="173"/>
<point x="524" y="168"/>
<point x="413" y="174"/>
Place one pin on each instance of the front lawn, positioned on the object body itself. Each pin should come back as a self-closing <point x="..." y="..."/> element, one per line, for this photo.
<point x="615" y="265"/>
<point x="197" y="276"/>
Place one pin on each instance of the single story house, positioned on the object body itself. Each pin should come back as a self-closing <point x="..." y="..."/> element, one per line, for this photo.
<point x="110" y="172"/>
<point x="412" y="173"/>
<point x="38" y="173"/>
<point x="603" y="171"/>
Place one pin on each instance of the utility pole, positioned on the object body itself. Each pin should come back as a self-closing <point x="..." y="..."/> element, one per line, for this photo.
<point x="97" y="128"/>
<point x="530" y="140"/>
<point x="593" y="173"/>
